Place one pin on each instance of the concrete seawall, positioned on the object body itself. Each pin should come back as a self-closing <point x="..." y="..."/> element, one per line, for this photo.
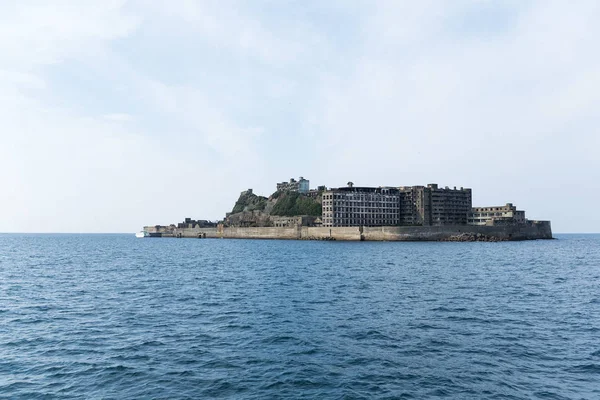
<point x="530" y="231"/>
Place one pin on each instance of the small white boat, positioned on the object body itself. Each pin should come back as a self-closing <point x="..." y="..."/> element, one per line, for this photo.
<point x="142" y="234"/>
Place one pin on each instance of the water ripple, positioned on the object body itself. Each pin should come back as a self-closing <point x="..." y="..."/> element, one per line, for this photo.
<point x="111" y="316"/>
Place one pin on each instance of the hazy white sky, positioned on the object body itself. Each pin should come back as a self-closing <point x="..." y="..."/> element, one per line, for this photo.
<point x="116" y="114"/>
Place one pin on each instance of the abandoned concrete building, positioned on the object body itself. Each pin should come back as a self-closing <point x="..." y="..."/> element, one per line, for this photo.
<point x="496" y="215"/>
<point x="350" y="206"/>
<point x="406" y="205"/>
<point x="301" y="186"/>
<point x="292" y="222"/>
<point x="450" y="206"/>
<point x="361" y="206"/>
<point x="192" y="223"/>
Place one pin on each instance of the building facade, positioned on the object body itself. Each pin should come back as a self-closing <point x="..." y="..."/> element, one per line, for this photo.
<point x="415" y="205"/>
<point x="192" y="223"/>
<point x="450" y="206"/>
<point x="295" y="221"/>
<point x="302" y="186"/>
<point x="507" y="214"/>
<point x="389" y="206"/>
<point x="361" y="206"/>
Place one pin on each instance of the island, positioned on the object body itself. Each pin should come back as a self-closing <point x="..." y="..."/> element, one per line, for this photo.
<point x="354" y="213"/>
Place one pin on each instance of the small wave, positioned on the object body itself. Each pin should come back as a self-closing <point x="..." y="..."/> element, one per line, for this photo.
<point x="585" y="368"/>
<point x="468" y="319"/>
<point x="426" y="326"/>
<point x="252" y="319"/>
<point x="449" y="309"/>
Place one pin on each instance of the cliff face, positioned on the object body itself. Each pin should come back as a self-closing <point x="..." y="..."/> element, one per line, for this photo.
<point x="248" y="201"/>
<point x="251" y="210"/>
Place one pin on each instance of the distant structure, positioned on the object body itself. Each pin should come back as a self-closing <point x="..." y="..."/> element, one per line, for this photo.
<point x="399" y="213"/>
<point x="292" y="222"/>
<point x="497" y="215"/>
<point x="192" y="223"/>
<point x="301" y="186"/>
<point x="431" y="205"/>
<point x="361" y="206"/>
<point x="406" y="205"/>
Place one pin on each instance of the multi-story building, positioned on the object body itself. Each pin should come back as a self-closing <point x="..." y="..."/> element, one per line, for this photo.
<point x="361" y="206"/>
<point x="301" y="186"/>
<point x="415" y="205"/>
<point x="507" y="214"/>
<point x="431" y="205"/>
<point x="450" y="206"/>
<point x="405" y="205"/>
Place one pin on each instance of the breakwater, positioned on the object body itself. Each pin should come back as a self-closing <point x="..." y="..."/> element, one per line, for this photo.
<point x="529" y="231"/>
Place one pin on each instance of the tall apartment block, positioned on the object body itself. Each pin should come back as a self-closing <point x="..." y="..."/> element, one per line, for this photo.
<point x="450" y="206"/>
<point x="415" y="205"/>
<point x="406" y="205"/>
<point x="361" y="206"/>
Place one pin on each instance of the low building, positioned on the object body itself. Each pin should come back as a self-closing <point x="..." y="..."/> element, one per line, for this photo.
<point x="302" y="186"/>
<point x="160" y="228"/>
<point x="314" y="193"/>
<point x="496" y="215"/>
<point x="192" y="223"/>
<point x="295" y="221"/>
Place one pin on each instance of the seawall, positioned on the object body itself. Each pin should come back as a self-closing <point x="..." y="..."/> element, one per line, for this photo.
<point x="529" y="231"/>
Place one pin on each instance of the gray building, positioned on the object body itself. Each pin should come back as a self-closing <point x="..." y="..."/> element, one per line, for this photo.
<point x="388" y="206"/>
<point x="450" y="206"/>
<point x="415" y="205"/>
<point x="495" y="215"/>
<point x="361" y="206"/>
<point x="301" y="186"/>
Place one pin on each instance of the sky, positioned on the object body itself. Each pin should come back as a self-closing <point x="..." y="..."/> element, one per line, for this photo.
<point x="117" y="114"/>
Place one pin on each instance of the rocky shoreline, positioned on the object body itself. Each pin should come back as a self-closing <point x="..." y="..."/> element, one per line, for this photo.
<point x="474" y="237"/>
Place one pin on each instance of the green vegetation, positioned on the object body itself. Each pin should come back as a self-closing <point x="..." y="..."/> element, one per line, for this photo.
<point x="249" y="202"/>
<point x="293" y="203"/>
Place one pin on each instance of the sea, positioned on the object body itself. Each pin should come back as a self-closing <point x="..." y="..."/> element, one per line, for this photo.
<point x="117" y="317"/>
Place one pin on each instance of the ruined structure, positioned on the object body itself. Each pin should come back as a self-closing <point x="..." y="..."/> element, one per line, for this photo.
<point x="192" y="223"/>
<point x="289" y="222"/>
<point x="390" y="206"/>
<point x="361" y="206"/>
<point x="301" y="186"/>
<point x="364" y="213"/>
<point x="507" y="214"/>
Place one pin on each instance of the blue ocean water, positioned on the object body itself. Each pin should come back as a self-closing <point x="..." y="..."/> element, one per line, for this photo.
<point x="112" y="316"/>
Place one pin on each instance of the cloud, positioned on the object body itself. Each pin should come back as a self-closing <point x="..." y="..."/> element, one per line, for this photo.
<point x="509" y="114"/>
<point x="117" y="114"/>
<point x="235" y="28"/>
<point x="118" y="117"/>
<point x="36" y="33"/>
<point x="71" y="167"/>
